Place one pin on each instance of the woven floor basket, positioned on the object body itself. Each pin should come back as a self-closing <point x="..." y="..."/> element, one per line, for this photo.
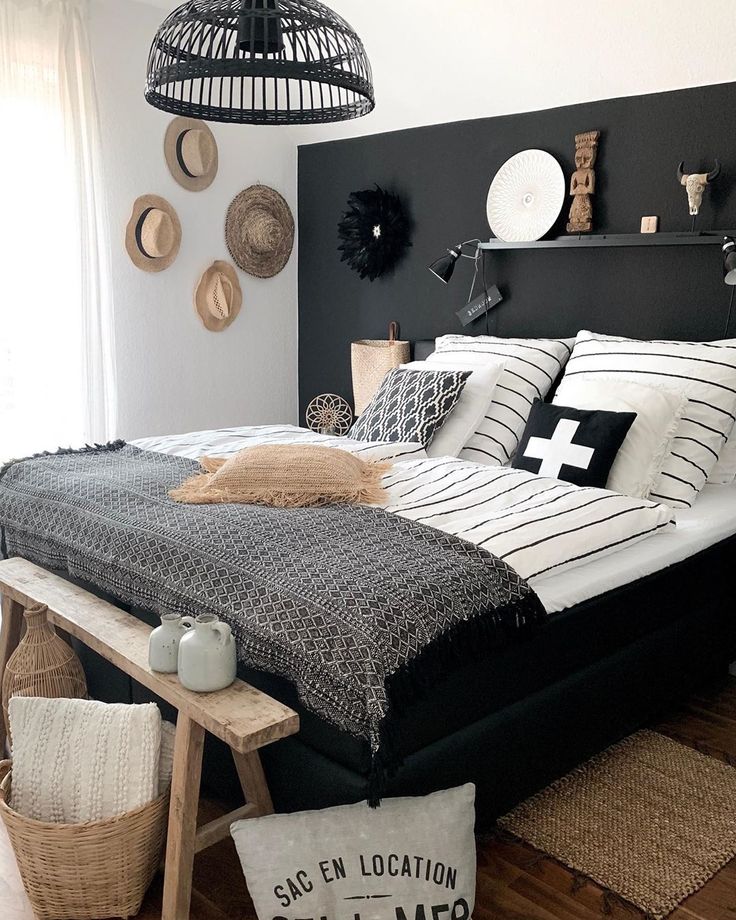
<point x="86" y="871"/>
<point x="42" y="665"/>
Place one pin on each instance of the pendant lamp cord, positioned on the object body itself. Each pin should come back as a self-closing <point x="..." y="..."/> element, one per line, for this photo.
<point x="730" y="311"/>
<point x="475" y="274"/>
<point x="480" y="256"/>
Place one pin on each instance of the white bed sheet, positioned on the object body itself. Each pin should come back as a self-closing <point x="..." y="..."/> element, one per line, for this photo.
<point x="711" y="519"/>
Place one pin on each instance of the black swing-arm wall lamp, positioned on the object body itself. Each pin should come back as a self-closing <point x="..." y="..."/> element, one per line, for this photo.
<point x="444" y="267"/>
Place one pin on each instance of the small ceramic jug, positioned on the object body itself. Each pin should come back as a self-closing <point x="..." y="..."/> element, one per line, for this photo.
<point x="207" y="659"/>
<point x="163" y="644"/>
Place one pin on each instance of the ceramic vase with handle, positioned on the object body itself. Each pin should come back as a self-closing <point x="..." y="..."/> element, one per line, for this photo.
<point x="207" y="658"/>
<point x="163" y="643"/>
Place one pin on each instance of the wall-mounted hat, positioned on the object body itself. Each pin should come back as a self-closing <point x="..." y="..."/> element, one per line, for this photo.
<point x="191" y="153"/>
<point x="153" y="235"/>
<point x="259" y="231"/>
<point x="217" y="297"/>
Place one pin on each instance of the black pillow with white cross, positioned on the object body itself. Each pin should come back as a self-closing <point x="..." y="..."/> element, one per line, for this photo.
<point x="576" y="445"/>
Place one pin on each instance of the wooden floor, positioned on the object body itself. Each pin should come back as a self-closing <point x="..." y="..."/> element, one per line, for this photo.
<point x="513" y="882"/>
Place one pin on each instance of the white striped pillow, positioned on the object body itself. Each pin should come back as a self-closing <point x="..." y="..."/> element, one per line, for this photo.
<point x="724" y="472"/>
<point x="531" y="367"/>
<point x="703" y="372"/>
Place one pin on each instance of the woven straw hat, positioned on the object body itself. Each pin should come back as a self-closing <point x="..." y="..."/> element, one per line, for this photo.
<point x="153" y="235"/>
<point x="191" y="153"/>
<point x="218" y="297"/>
<point x="259" y="231"/>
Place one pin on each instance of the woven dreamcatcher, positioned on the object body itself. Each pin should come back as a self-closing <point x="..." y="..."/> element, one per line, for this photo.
<point x="329" y="414"/>
<point x="374" y="232"/>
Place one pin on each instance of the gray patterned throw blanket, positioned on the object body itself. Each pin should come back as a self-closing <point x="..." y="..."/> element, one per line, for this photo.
<point x="358" y="608"/>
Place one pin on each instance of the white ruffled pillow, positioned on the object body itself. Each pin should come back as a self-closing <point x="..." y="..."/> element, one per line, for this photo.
<point x="82" y="760"/>
<point x="658" y="413"/>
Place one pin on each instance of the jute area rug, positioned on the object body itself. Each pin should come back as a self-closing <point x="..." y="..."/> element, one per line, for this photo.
<point x="649" y="819"/>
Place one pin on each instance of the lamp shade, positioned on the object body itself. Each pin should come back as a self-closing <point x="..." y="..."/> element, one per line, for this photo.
<point x="729" y="260"/>
<point x="259" y="62"/>
<point x="443" y="267"/>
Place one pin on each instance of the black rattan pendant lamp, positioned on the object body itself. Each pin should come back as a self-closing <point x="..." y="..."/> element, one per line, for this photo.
<point x="261" y="62"/>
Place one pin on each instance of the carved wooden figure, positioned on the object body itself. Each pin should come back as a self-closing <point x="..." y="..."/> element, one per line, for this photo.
<point x="582" y="184"/>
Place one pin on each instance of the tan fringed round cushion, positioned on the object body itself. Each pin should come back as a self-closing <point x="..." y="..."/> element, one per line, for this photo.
<point x="285" y="476"/>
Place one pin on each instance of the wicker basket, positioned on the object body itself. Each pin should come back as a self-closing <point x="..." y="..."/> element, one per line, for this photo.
<point x="86" y="871"/>
<point x="42" y="665"/>
<point x="371" y="360"/>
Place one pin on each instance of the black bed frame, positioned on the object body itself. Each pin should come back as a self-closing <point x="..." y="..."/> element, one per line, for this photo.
<point x="519" y="748"/>
<point x="678" y="634"/>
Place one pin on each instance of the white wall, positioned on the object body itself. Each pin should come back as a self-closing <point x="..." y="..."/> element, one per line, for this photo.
<point x="173" y="375"/>
<point x="433" y="62"/>
<point x="436" y="61"/>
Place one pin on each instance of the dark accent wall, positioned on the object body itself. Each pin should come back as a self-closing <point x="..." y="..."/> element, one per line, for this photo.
<point x="443" y="173"/>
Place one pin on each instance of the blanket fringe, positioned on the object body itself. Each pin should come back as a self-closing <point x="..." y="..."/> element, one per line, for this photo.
<point x="470" y="639"/>
<point x="65" y="452"/>
<point x="61" y="452"/>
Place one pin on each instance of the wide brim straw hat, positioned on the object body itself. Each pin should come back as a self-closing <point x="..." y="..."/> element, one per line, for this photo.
<point x="190" y="149"/>
<point x="218" y="297"/>
<point x="153" y="234"/>
<point x="259" y="231"/>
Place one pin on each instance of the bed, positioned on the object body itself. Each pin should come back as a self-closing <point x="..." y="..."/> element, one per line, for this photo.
<point x="634" y="609"/>
<point x="628" y="633"/>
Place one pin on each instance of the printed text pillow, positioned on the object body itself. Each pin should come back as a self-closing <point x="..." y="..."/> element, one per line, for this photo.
<point x="410" y="858"/>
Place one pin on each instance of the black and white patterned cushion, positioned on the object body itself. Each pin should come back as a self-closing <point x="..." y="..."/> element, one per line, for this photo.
<point x="575" y="445"/>
<point x="531" y="367"/>
<point x="410" y="406"/>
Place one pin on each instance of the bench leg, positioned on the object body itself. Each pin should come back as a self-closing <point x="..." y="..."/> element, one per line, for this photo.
<point x="180" y="847"/>
<point x="253" y="781"/>
<point x="10" y="632"/>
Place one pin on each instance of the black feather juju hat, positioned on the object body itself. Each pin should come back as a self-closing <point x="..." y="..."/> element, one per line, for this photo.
<point x="374" y="232"/>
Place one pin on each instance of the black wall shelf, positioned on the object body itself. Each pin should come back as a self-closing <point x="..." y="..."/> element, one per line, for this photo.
<point x="709" y="238"/>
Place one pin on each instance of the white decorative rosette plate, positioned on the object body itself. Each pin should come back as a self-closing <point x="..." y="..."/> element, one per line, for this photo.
<point x="526" y="196"/>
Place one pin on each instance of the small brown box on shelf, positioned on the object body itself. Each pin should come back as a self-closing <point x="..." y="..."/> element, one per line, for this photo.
<point x="649" y="224"/>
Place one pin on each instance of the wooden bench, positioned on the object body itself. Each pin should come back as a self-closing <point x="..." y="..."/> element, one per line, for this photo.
<point x="243" y="717"/>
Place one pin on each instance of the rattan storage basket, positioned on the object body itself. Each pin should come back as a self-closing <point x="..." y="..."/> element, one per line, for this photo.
<point x="86" y="871"/>
<point x="371" y="360"/>
<point x="42" y="665"/>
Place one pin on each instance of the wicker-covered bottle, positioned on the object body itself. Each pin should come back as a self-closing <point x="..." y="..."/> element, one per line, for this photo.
<point x="42" y="665"/>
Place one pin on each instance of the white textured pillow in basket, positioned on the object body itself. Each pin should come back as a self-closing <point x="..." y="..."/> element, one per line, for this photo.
<point x="658" y="413"/>
<point x="82" y="760"/>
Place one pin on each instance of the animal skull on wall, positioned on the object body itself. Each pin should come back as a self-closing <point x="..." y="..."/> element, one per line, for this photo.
<point x="695" y="184"/>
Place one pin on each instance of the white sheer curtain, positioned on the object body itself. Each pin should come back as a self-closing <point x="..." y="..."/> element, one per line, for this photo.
<point x="56" y="350"/>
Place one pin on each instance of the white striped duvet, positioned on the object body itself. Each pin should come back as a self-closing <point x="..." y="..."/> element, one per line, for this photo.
<point x="539" y="526"/>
